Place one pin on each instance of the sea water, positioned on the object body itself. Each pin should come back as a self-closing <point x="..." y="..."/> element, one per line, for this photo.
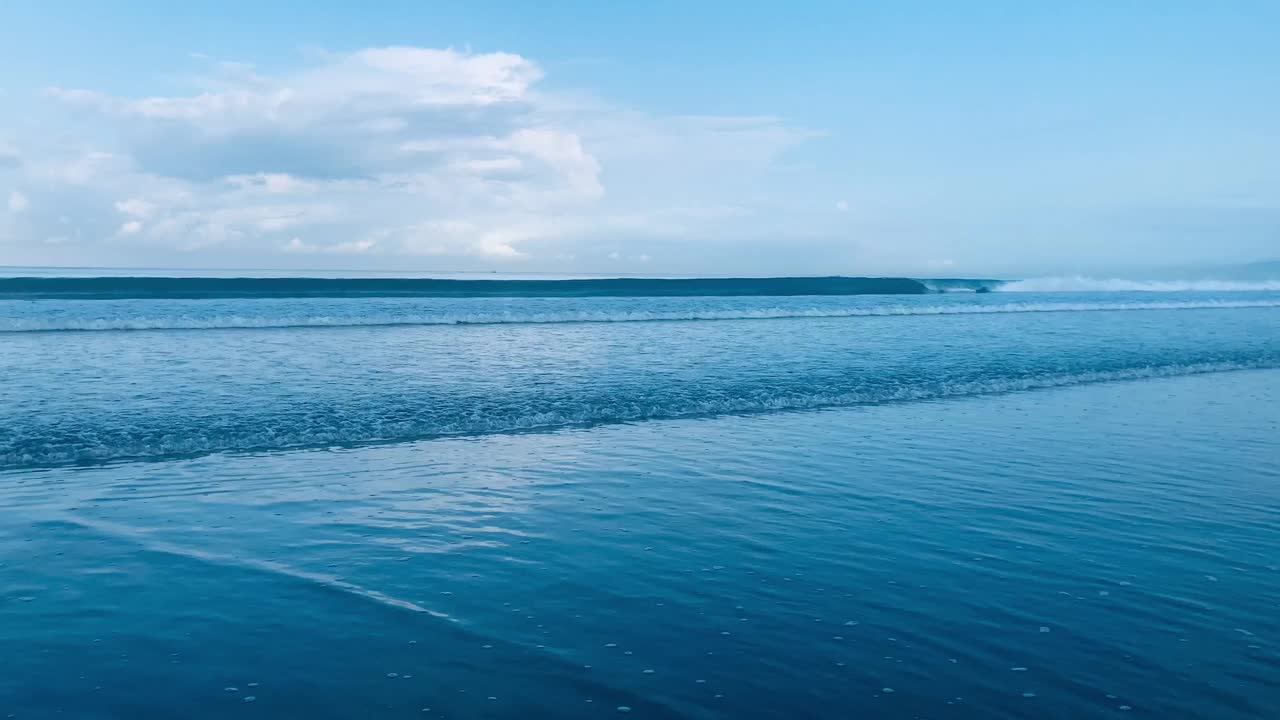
<point x="996" y="505"/>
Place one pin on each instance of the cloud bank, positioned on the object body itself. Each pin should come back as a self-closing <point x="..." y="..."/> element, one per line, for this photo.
<point x="387" y="156"/>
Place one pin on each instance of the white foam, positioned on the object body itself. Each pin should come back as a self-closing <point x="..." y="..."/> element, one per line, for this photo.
<point x="1081" y="283"/>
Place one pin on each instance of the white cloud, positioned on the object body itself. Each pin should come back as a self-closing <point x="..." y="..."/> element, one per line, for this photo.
<point x="842" y="206"/>
<point x="18" y="202"/>
<point x="387" y="152"/>
<point x="135" y="207"/>
<point x="365" y="83"/>
<point x="297" y="245"/>
<point x="273" y="183"/>
<point x="80" y="169"/>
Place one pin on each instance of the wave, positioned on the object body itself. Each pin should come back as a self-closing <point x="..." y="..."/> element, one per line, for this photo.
<point x="97" y="445"/>
<point x="236" y="321"/>
<point x="1079" y="283"/>
<point x="100" y="288"/>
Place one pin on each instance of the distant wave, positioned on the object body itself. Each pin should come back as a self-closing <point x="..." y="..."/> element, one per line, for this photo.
<point x="130" y="442"/>
<point x="214" y="322"/>
<point x="98" y="288"/>
<point x="1080" y="283"/>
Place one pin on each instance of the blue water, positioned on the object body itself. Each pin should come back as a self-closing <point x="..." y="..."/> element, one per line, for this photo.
<point x="1003" y="505"/>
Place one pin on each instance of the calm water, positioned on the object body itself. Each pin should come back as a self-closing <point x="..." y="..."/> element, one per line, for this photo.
<point x="1006" y="505"/>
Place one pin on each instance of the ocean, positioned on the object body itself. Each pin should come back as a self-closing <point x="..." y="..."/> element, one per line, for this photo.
<point x="474" y="497"/>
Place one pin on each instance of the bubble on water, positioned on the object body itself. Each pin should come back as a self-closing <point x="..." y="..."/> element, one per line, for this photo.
<point x="626" y="652"/>
<point x="1028" y="694"/>
<point x="253" y="684"/>
<point x="953" y="661"/>
<point x="1211" y="578"/>
<point x="232" y="689"/>
<point x="611" y="644"/>
<point x="249" y="698"/>
<point x="648" y="672"/>
<point x="393" y="675"/>
<point x="624" y="709"/>
<point x="886" y="690"/>
<point x="491" y="698"/>
<point x="1126" y="708"/>
<point x="1044" y="629"/>
<point x="487" y="647"/>
<point x="700" y="682"/>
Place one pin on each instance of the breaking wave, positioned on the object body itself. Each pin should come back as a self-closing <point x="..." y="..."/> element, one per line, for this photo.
<point x="1080" y="283"/>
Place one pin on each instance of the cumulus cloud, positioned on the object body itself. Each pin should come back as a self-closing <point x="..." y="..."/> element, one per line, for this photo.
<point x="384" y="152"/>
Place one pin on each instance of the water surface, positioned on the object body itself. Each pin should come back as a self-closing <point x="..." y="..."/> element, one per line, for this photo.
<point x="978" y="506"/>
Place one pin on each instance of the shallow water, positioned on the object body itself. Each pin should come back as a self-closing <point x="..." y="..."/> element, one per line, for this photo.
<point x="986" y="515"/>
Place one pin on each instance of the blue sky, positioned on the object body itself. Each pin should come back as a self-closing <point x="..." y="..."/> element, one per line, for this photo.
<point x="921" y="138"/>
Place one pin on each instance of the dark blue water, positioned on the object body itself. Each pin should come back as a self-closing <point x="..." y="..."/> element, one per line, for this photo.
<point x="99" y="288"/>
<point x="945" y="506"/>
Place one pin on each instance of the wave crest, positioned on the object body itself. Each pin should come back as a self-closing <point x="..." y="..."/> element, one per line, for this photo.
<point x="1081" y="283"/>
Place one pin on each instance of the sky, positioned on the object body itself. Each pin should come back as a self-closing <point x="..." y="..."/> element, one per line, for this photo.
<point x="907" y="138"/>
